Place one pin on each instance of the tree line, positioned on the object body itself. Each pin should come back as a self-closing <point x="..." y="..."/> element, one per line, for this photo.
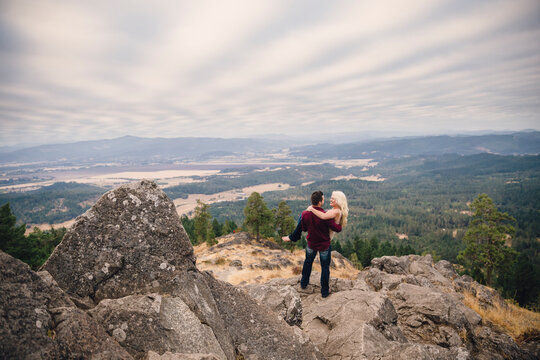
<point x="33" y="249"/>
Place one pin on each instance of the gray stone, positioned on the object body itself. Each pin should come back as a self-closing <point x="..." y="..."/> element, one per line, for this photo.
<point x="176" y="356"/>
<point x="131" y="241"/>
<point x="283" y="300"/>
<point x="495" y="345"/>
<point x="236" y="263"/>
<point x="158" y="323"/>
<point x="351" y="324"/>
<point x="257" y="331"/>
<point x="446" y="269"/>
<point x="430" y="316"/>
<point x="392" y="264"/>
<point x="38" y="321"/>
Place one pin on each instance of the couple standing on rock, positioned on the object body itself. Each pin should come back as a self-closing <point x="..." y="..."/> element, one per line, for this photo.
<point x="320" y="226"/>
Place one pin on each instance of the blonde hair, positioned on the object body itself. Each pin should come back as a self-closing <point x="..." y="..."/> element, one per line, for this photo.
<point x="341" y="201"/>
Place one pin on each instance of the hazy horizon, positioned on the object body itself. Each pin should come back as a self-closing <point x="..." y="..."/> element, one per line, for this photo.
<point x="316" y="138"/>
<point x="75" y="71"/>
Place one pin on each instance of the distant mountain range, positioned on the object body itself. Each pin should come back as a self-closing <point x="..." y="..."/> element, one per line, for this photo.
<point x="519" y="143"/>
<point x="136" y="149"/>
<point x="140" y="150"/>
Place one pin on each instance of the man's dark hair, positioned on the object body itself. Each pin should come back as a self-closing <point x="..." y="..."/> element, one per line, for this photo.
<point x="316" y="197"/>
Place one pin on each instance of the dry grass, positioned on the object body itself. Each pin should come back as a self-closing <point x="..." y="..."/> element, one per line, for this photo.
<point x="221" y="261"/>
<point x="297" y="270"/>
<point x="520" y="323"/>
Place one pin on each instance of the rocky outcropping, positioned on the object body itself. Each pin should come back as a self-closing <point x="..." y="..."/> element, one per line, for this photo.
<point x="399" y="308"/>
<point x="39" y="321"/>
<point x="128" y="284"/>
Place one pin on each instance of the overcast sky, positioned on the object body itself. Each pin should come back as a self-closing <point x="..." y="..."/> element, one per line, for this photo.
<point x="75" y="70"/>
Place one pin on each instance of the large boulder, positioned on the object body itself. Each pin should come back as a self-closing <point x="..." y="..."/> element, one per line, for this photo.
<point x="39" y="321"/>
<point x="130" y="242"/>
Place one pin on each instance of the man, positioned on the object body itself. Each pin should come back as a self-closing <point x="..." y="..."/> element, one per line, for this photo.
<point x="318" y="240"/>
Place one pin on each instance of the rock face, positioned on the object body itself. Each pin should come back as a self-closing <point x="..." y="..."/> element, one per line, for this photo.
<point x="400" y="308"/>
<point x="130" y="242"/>
<point x="128" y="288"/>
<point x="39" y="321"/>
<point x="283" y="300"/>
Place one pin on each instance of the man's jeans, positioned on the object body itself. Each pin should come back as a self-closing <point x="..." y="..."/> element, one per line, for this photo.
<point x="325" y="257"/>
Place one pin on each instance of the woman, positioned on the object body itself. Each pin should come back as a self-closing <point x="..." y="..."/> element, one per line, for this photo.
<point x="339" y="211"/>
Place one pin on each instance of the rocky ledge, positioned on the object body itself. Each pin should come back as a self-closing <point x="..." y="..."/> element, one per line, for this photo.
<point x="399" y="308"/>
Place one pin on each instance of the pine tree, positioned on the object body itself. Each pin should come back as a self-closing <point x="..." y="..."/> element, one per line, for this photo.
<point x="189" y="226"/>
<point x="355" y="261"/>
<point x="11" y="236"/>
<point x="486" y="252"/>
<point x="229" y="227"/>
<point x="217" y="227"/>
<point x="258" y="218"/>
<point x="284" y="222"/>
<point x="202" y="224"/>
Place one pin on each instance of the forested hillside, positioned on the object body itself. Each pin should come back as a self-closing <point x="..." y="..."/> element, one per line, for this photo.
<point x="511" y="144"/>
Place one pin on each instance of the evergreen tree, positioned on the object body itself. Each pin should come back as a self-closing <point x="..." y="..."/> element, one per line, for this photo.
<point x="202" y="224"/>
<point x="348" y="249"/>
<point x="217" y="227"/>
<point x="355" y="261"/>
<point x="189" y="226"/>
<point x="526" y="281"/>
<point x="258" y="218"/>
<point x="486" y="253"/>
<point x="284" y="222"/>
<point x="11" y="236"/>
<point x="229" y="226"/>
<point x="33" y="249"/>
<point x="336" y="246"/>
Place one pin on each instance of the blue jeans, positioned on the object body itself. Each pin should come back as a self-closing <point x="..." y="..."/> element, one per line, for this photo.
<point x="325" y="257"/>
<point x="297" y="233"/>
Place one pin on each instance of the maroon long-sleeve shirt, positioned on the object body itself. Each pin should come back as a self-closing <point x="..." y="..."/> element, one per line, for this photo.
<point x="318" y="236"/>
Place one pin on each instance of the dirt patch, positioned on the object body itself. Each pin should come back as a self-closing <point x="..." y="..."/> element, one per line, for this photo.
<point x="186" y="206"/>
<point x="43" y="227"/>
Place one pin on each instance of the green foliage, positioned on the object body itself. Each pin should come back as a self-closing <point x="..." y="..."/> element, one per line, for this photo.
<point x="355" y="261"/>
<point x="217" y="228"/>
<point x="361" y="252"/>
<point x="203" y="229"/>
<point x="291" y="175"/>
<point x="284" y="222"/>
<point x="33" y="249"/>
<point x="10" y="234"/>
<point x="189" y="226"/>
<point x="52" y="204"/>
<point x="258" y="218"/>
<point x="486" y="254"/>
<point x="229" y="226"/>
